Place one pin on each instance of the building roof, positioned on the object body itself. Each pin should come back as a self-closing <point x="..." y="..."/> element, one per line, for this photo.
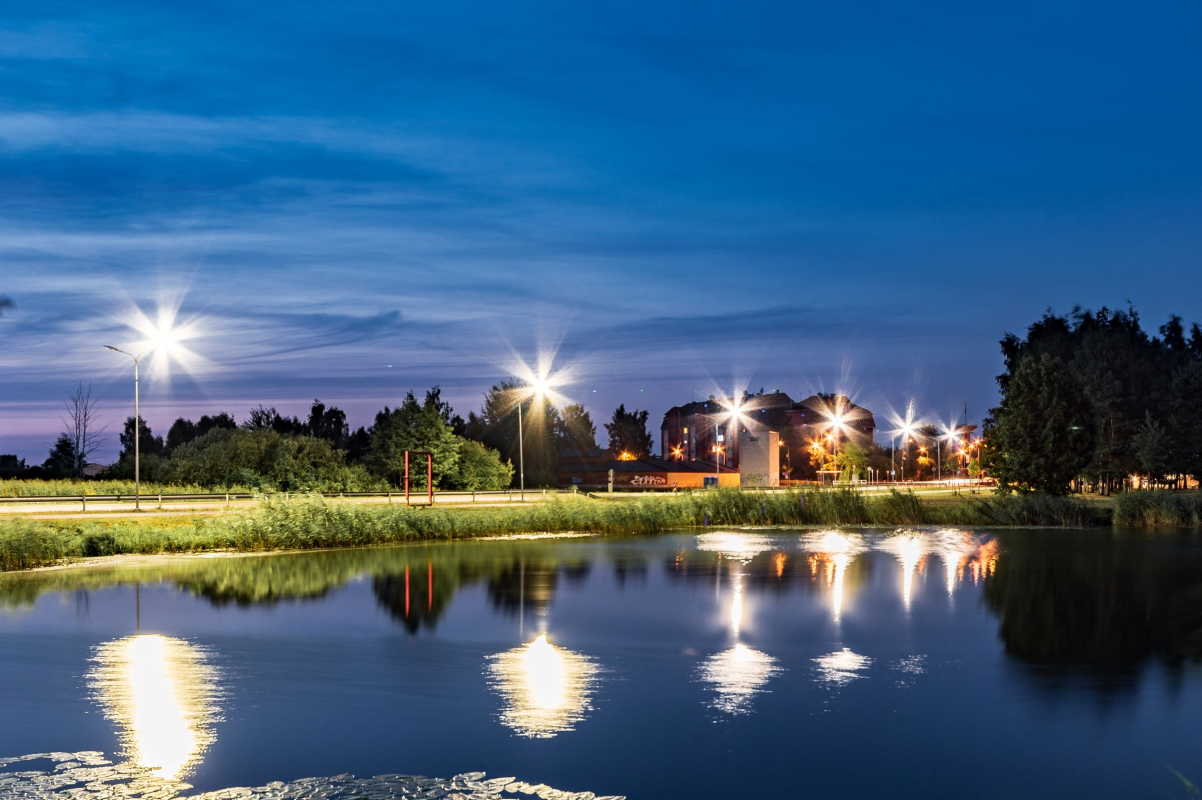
<point x="637" y="465"/>
<point x="769" y="405"/>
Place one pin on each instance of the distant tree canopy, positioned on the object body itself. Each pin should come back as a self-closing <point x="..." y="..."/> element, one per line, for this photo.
<point x="271" y="451"/>
<point x="183" y="430"/>
<point x="1130" y="402"/>
<point x="274" y="451"/>
<point x="628" y="433"/>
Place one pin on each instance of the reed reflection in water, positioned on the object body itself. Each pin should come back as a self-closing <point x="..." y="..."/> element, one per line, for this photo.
<point x="162" y="693"/>
<point x="546" y="689"/>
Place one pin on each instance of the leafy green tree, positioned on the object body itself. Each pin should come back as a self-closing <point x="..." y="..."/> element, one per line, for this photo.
<point x="62" y="460"/>
<point x="1185" y="416"/>
<point x="575" y="429"/>
<point x="413" y="426"/>
<point x="329" y="423"/>
<point x="1152" y="449"/>
<point x="628" y="433"/>
<point x="181" y="432"/>
<point x="481" y="469"/>
<point x="1124" y="372"/>
<point x="148" y="443"/>
<point x="1041" y="436"/>
<point x="358" y="445"/>
<point x="496" y="427"/>
<point x="264" y="459"/>
<point x="851" y="459"/>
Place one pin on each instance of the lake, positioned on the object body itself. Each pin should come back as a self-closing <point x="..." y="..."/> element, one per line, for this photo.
<point x="849" y="664"/>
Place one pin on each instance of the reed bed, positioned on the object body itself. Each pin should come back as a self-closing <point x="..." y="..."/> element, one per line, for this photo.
<point x="309" y="522"/>
<point x="1158" y="509"/>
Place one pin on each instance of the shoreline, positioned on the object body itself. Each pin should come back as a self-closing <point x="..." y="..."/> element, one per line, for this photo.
<point x="313" y="523"/>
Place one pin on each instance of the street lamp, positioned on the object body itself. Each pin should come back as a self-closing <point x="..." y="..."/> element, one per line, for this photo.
<point x="535" y="390"/>
<point x="137" y="430"/>
<point x="732" y="413"/>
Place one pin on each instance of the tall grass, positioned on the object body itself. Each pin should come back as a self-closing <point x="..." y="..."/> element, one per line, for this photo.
<point x="308" y="522"/>
<point x="1021" y="510"/>
<point x="75" y="488"/>
<point x="1158" y="509"/>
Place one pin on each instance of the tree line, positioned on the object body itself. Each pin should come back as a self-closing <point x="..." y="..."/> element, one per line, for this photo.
<point x="1089" y="399"/>
<point x="272" y="451"/>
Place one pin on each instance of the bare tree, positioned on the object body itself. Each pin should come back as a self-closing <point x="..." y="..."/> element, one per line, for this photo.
<point x="81" y="425"/>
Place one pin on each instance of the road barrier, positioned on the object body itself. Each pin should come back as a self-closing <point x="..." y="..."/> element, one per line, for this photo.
<point x="459" y="497"/>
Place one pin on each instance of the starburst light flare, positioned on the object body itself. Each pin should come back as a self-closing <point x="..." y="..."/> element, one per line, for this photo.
<point x="542" y="380"/>
<point x="905" y="427"/>
<point x="164" y="336"/>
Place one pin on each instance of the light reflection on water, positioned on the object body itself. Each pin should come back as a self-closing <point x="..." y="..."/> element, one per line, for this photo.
<point x="832" y="552"/>
<point x="545" y="689"/>
<point x="757" y="630"/>
<point x="841" y="667"/>
<point x="736" y="676"/>
<point x="162" y="694"/>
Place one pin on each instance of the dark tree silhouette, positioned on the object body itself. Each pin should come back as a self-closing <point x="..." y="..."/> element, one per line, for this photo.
<point x="628" y="433"/>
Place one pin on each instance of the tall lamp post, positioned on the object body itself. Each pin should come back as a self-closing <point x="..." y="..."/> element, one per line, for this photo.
<point x="535" y="390"/>
<point x="137" y="430"/>
<point x="732" y="415"/>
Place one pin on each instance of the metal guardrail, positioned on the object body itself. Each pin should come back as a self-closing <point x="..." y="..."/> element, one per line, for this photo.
<point x="506" y="495"/>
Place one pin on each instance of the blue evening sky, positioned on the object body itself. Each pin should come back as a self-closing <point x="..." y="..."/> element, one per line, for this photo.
<point x="680" y="197"/>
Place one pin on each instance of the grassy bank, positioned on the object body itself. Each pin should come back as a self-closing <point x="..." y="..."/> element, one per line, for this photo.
<point x="311" y="522"/>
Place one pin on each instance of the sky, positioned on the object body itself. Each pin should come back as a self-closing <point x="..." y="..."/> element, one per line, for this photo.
<point x="349" y="201"/>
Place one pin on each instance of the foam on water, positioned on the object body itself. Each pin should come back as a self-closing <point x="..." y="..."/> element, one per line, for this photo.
<point x="89" y="775"/>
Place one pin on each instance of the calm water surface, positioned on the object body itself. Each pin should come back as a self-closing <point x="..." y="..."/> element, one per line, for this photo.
<point x="934" y="664"/>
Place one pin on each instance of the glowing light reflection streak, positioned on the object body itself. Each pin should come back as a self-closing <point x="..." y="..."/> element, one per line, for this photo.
<point x="836" y="551"/>
<point x="546" y="690"/>
<point x="163" y="695"/>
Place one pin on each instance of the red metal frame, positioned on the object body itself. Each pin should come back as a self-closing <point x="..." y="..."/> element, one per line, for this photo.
<point x="429" y="474"/>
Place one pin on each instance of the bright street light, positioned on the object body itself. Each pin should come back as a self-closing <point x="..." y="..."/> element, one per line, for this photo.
<point x="730" y="412"/>
<point x="162" y="340"/>
<point x="137" y="429"/>
<point x="534" y="390"/>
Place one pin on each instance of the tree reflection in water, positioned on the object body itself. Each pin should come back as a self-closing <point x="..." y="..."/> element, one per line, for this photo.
<point x="1098" y="600"/>
<point x="1065" y="599"/>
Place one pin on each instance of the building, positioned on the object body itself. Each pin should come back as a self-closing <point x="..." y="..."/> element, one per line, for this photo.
<point x="590" y="470"/>
<point x="759" y="458"/>
<point x="707" y="430"/>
